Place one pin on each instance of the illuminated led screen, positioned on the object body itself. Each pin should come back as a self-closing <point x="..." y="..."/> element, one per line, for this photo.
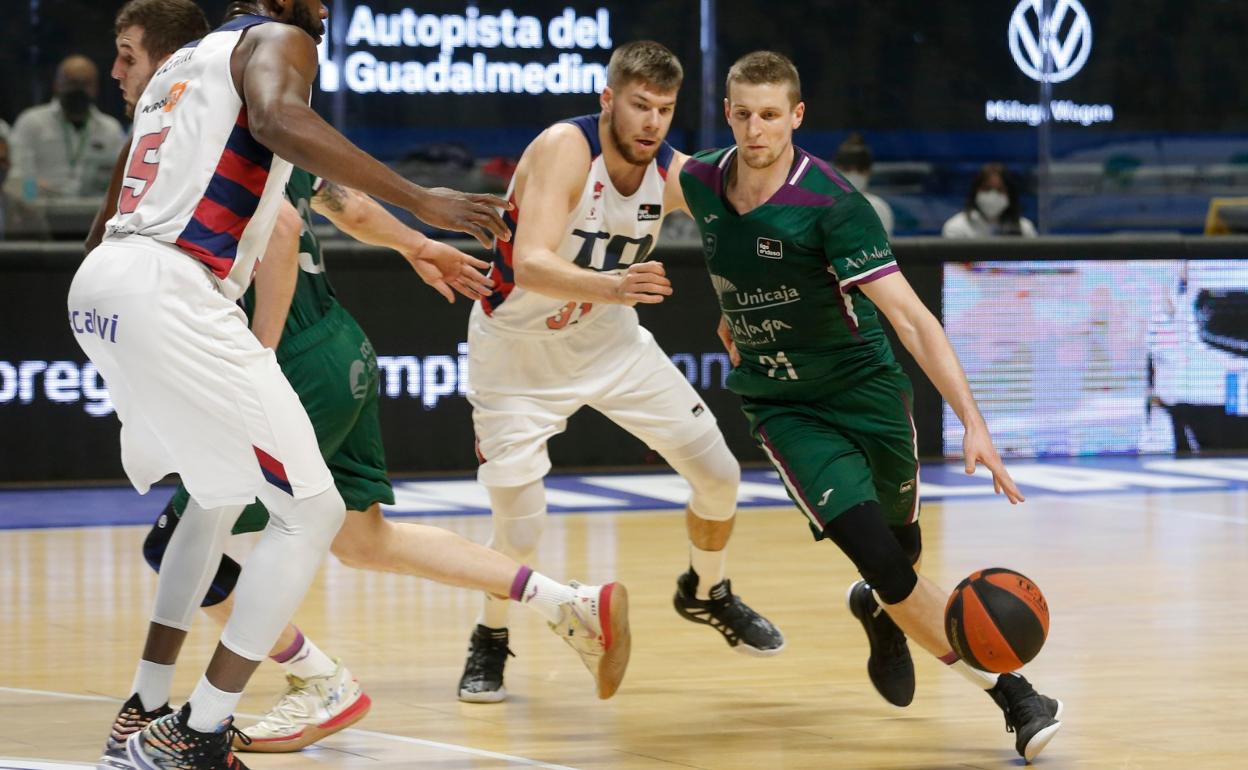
<point x="1077" y="358"/>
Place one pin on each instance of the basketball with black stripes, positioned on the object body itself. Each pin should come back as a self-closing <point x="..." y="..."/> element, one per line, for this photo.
<point x="996" y="620"/>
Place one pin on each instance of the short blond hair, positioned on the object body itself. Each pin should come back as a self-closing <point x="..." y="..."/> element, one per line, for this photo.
<point x="765" y="68"/>
<point x="645" y="61"/>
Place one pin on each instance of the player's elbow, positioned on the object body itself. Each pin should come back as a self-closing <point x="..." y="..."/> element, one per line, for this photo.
<point x="523" y="270"/>
<point x="272" y="126"/>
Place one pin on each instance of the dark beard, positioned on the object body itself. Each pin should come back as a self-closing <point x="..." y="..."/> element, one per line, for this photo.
<point x="625" y="149"/>
<point x="305" y="20"/>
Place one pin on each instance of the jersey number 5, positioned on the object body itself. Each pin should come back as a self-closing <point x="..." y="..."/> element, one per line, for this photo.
<point x="144" y="163"/>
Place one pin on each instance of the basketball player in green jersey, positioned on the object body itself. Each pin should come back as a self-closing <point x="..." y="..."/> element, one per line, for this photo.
<point x="801" y="264"/>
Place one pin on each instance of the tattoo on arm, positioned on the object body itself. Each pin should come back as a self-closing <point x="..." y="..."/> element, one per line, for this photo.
<point x="333" y="197"/>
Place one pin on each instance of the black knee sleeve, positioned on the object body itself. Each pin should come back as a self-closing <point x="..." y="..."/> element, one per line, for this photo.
<point x="911" y="539"/>
<point x="157" y="542"/>
<point x="862" y="534"/>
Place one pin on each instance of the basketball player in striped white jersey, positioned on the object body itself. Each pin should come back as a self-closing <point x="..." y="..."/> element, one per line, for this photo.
<point x="215" y="133"/>
<point x="560" y="332"/>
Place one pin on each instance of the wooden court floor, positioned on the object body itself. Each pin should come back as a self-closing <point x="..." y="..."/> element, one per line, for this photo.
<point x="1146" y="648"/>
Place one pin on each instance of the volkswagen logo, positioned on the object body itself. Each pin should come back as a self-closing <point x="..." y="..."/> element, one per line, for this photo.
<point x="1067" y="36"/>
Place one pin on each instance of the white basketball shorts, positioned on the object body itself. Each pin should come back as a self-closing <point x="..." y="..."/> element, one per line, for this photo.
<point x="523" y="389"/>
<point x="196" y="393"/>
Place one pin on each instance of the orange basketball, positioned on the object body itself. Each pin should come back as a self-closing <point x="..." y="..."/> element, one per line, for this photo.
<point x="996" y="620"/>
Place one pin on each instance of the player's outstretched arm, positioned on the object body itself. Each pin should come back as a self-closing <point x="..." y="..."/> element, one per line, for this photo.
<point x="108" y="206"/>
<point x="925" y="338"/>
<point x="443" y="267"/>
<point x="276" y="277"/>
<point x="273" y="68"/>
<point x="552" y="175"/>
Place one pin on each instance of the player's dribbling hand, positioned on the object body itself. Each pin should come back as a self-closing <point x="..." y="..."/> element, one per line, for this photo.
<point x="725" y="336"/>
<point x="472" y="213"/>
<point x="446" y="268"/>
<point x="977" y="448"/>
<point x="645" y="283"/>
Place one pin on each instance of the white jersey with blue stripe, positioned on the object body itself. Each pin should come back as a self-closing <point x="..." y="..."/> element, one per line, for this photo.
<point x="196" y="178"/>
<point x="607" y="232"/>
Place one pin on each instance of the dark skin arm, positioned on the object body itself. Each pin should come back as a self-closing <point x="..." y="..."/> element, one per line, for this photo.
<point x="273" y="68"/>
<point x="108" y="206"/>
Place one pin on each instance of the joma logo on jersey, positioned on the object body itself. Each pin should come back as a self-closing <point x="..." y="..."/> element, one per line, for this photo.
<point x="649" y="212"/>
<point x="91" y="322"/>
<point x="770" y="248"/>
<point x="868" y="257"/>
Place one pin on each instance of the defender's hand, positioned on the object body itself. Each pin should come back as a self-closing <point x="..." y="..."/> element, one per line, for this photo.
<point x="469" y="213"/>
<point x="445" y="268"/>
<point x="977" y="448"/>
<point x="645" y="283"/>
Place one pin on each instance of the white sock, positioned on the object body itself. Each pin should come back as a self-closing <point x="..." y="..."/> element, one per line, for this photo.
<point x="210" y="706"/>
<point x="305" y="660"/>
<point x="544" y="596"/>
<point x="153" y="681"/>
<point x="709" y="566"/>
<point x="981" y="679"/>
<point x="494" y="613"/>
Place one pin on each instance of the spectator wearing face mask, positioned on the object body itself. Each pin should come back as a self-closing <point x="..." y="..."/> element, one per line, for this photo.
<point x="992" y="208"/>
<point x="67" y="147"/>
<point x="853" y="160"/>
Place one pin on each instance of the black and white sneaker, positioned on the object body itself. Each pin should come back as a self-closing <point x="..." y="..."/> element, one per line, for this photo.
<point x="169" y="743"/>
<point x="482" y="681"/>
<point x="744" y="629"/>
<point x="889" y="666"/>
<point x="1032" y="717"/>
<point x="130" y="719"/>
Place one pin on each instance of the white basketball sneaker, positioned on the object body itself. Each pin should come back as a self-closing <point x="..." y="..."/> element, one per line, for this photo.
<point x="309" y="710"/>
<point x="595" y="624"/>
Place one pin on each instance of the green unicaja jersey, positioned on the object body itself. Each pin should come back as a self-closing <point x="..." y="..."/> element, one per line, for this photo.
<point x="314" y="296"/>
<point x="787" y="277"/>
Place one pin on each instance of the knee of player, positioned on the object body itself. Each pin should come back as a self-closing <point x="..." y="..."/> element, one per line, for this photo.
<point x="157" y="540"/>
<point x="355" y="548"/>
<point x="876" y="551"/>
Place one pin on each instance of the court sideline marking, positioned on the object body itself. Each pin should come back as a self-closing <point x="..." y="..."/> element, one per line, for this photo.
<point x="351" y="730"/>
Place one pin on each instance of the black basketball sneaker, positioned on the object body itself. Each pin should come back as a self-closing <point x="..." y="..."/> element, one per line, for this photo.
<point x="744" y="629"/>
<point x="890" y="667"/>
<point x="169" y="743"/>
<point x="130" y="719"/>
<point x="1032" y="717"/>
<point x="482" y="681"/>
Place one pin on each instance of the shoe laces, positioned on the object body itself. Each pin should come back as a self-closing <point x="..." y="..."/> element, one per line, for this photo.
<point x="728" y="607"/>
<point x="1021" y="703"/>
<point x="291" y="708"/>
<point x="486" y="655"/>
<point x="233" y="734"/>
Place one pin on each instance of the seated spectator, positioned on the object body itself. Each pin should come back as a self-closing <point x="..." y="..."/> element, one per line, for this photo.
<point x="853" y="160"/>
<point x="66" y="147"/>
<point x="18" y="219"/>
<point x="992" y="208"/>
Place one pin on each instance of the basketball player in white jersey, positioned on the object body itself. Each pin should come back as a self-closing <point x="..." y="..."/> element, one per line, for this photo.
<point x="559" y="332"/>
<point x="153" y="307"/>
<point x="322" y="696"/>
